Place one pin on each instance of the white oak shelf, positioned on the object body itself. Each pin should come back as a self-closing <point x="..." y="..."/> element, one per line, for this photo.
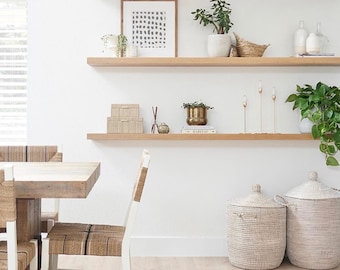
<point x="212" y="62"/>
<point x="193" y="137"/>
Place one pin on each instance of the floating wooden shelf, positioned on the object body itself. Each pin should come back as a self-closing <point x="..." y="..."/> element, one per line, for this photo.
<point x="211" y="62"/>
<point x="192" y="137"/>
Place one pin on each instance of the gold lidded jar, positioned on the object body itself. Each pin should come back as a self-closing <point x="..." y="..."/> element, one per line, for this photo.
<point x="256" y="231"/>
<point x="163" y="128"/>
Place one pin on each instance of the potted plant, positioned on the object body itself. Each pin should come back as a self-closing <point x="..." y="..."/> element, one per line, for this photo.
<point x="117" y="43"/>
<point x="196" y="113"/>
<point x="321" y="105"/>
<point x="219" y="44"/>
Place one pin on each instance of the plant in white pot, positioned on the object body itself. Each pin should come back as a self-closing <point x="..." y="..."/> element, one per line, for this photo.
<point x="321" y="105"/>
<point x="219" y="44"/>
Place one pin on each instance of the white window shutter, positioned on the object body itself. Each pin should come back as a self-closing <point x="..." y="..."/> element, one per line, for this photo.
<point x="13" y="71"/>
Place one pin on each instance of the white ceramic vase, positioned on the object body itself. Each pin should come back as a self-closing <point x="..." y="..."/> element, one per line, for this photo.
<point x="219" y="45"/>
<point x="306" y="125"/>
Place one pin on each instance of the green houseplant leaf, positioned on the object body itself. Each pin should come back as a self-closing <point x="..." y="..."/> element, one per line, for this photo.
<point x="219" y="17"/>
<point x="321" y="105"/>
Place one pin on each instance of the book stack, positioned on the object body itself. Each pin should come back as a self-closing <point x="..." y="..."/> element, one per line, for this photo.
<point x="198" y="130"/>
<point x="125" y="119"/>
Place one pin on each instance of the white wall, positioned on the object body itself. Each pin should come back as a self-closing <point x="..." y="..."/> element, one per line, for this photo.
<point x="190" y="182"/>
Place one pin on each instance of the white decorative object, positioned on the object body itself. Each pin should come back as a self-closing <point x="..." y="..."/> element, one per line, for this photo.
<point x="131" y="51"/>
<point x="274" y="109"/>
<point x="219" y="45"/>
<point x="245" y="104"/>
<point x="306" y="125"/>
<point x="260" y="90"/>
<point x="322" y="39"/>
<point x="300" y="39"/>
<point x="312" y="43"/>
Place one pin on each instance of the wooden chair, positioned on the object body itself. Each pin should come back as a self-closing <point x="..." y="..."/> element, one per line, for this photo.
<point x="36" y="153"/>
<point x="13" y="255"/>
<point x="94" y="239"/>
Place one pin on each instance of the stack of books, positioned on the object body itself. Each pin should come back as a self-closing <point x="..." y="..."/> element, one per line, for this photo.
<point x="198" y="130"/>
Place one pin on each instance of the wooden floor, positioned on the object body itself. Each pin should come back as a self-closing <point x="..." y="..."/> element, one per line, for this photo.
<point x="155" y="263"/>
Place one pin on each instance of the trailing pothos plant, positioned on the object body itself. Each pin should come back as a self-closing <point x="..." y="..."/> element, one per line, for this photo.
<point x="321" y="105"/>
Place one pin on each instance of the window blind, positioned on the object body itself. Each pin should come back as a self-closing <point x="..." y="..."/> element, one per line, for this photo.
<point x="13" y="71"/>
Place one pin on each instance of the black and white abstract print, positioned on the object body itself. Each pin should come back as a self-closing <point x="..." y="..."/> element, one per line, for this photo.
<point x="149" y="29"/>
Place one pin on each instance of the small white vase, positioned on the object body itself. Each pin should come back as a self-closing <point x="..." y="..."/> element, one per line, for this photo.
<point x="219" y="45"/>
<point x="313" y="43"/>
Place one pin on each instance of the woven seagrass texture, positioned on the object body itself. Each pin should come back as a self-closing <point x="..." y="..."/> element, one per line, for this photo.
<point x="26" y="253"/>
<point x="249" y="49"/>
<point x="68" y="238"/>
<point x="313" y="233"/>
<point x="86" y="239"/>
<point x="256" y="236"/>
<point x="13" y="153"/>
<point x="7" y="200"/>
<point x="30" y="153"/>
<point x="105" y="243"/>
<point x="140" y="184"/>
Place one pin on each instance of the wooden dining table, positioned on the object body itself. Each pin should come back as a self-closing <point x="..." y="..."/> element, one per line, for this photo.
<point x="37" y="180"/>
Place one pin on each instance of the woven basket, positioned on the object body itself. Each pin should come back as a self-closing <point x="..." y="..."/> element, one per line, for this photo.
<point x="313" y="225"/>
<point x="249" y="49"/>
<point x="256" y="232"/>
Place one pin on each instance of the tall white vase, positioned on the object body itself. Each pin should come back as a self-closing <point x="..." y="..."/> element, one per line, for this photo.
<point x="219" y="45"/>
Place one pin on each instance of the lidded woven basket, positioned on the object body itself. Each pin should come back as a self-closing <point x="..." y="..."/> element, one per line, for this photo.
<point x="256" y="231"/>
<point x="313" y="225"/>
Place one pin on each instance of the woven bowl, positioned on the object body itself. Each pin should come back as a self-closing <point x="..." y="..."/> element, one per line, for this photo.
<point x="249" y="49"/>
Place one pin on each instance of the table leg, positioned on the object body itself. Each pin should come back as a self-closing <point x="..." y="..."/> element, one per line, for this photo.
<point x="28" y="221"/>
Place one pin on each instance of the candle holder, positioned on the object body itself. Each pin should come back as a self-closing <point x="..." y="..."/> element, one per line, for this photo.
<point x="260" y="90"/>
<point x="274" y="109"/>
<point x="245" y="104"/>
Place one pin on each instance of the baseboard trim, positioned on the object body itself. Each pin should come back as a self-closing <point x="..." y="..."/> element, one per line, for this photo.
<point x="178" y="246"/>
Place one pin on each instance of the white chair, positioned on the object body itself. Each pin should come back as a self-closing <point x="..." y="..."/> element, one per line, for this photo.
<point x="94" y="239"/>
<point x="13" y="255"/>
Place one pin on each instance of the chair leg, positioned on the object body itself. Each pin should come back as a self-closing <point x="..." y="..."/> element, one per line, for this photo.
<point x="126" y="260"/>
<point x="44" y="254"/>
<point x="34" y="262"/>
<point x="48" y="262"/>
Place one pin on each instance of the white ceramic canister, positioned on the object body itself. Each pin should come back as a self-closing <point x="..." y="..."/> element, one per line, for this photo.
<point x="313" y="225"/>
<point x="256" y="231"/>
<point x="313" y="44"/>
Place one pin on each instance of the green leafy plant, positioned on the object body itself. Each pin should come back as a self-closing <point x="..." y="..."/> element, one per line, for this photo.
<point x="321" y="105"/>
<point x="219" y="17"/>
<point x="196" y="104"/>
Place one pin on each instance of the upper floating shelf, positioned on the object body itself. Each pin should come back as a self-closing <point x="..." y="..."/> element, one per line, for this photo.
<point x="211" y="61"/>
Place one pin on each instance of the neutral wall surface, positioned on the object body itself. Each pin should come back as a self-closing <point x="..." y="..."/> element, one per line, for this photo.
<point x="189" y="182"/>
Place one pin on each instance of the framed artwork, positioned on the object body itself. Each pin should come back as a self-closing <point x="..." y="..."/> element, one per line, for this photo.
<point x="151" y="26"/>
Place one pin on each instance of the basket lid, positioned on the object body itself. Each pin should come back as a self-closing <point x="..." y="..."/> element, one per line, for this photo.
<point x="313" y="190"/>
<point x="256" y="199"/>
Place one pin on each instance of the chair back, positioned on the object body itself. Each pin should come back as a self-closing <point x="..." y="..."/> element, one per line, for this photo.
<point x="8" y="214"/>
<point x="38" y="153"/>
<point x="7" y="197"/>
<point x="136" y="196"/>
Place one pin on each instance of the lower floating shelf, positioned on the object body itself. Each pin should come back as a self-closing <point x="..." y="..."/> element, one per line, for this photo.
<point x="193" y="137"/>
